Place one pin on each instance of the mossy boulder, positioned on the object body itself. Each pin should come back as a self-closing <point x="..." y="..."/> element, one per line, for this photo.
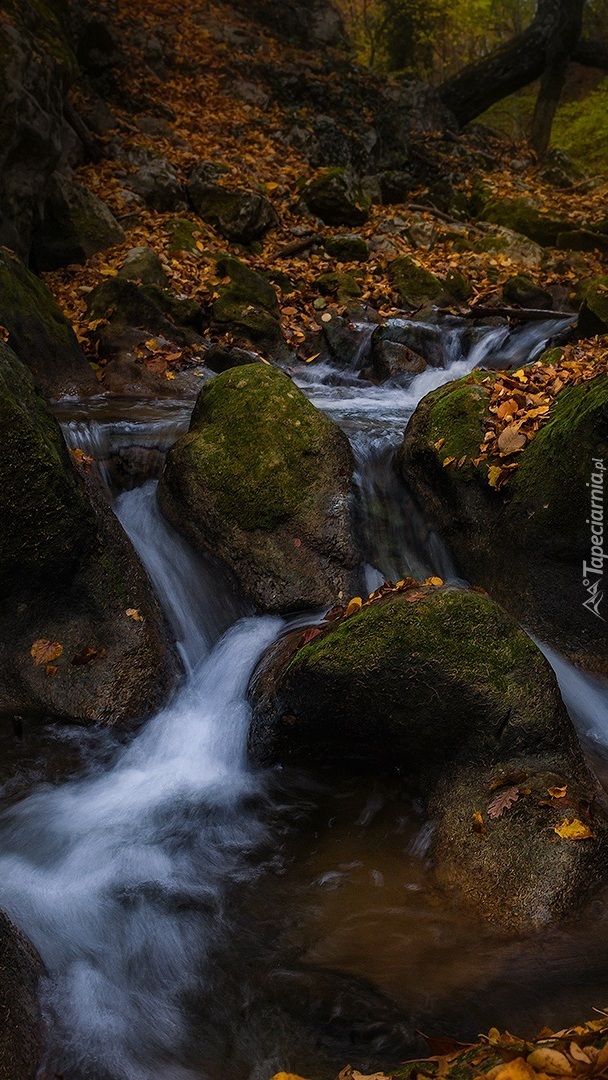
<point x="124" y="307"/>
<point x="263" y="481"/>
<point x="221" y="358"/>
<point x="182" y="235"/>
<point x="40" y="334"/>
<point x="341" y="285"/>
<point x="67" y="574"/>
<point x="582" y="240"/>
<point x="523" y="216"/>
<point x="442" y="685"/>
<point x="239" y="215"/>
<point x="158" y="185"/>
<point x="520" y="290"/>
<point x="248" y="306"/>
<point x="336" y="197"/>
<point x="21" y="1031"/>
<point x="526" y="543"/>
<point x="144" y="266"/>
<point x="415" y="285"/>
<point x="593" y="313"/>
<point x="75" y="225"/>
<point x="347" y="248"/>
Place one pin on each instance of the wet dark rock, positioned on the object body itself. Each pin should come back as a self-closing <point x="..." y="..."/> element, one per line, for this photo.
<point x="262" y="480"/>
<point x="221" y="358"/>
<point x="581" y="240"/>
<point x="395" y="186"/>
<point x="421" y="338"/>
<point x="415" y="285"/>
<point x="526" y="543"/>
<point x="21" y="1031"/>
<point x="444" y="686"/>
<point x="143" y="265"/>
<point x="75" y="225"/>
<point x="339" y="284"/>
<point x="348" y="341"/>
<point x="40" y="334"/>
<point x="68" y="575"/>
<point x="239" y="215"/>
<point x="593" y="314"/>
<point x="124" y="305"/>
<point x="159" y="186"/>
<point x="336" y="197"/>
<point x="520" y="290"/>
<point x="391" y="360"/>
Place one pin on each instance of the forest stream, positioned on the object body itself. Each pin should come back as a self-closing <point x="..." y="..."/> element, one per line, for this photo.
<point x="190" y="907"/>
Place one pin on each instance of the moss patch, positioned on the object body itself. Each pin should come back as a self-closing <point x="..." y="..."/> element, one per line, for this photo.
<point x="415" y="285"/>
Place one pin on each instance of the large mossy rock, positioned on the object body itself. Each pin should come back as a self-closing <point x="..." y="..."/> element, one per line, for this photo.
<point x="248" y="306"/>
<point x="527" y="542"/>
<point x="443" y="685"/>
<point x="68" y="575"/>
<point x="239" y="215"/>
<point x="593" y="314"/>
<point x="37" y="66"/>
<point x="336" y="197"/>
<point x="523" y="216"/>
<point x="40" y="334"/>
<point x="21" y="1032"/>
<point x="415" y="285"/>
<point x="263" y="481"/>
<point x="75" y="225"/>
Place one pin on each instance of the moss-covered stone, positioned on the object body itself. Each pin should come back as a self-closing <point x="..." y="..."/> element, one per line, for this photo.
<point x="442" y="685"/>
<point x="520" y="290"/>
<point x="523" y="216"/>
<point x="39" y="333"/>
<point x="182" y="235"/>
<point x="336" y="197"/>
<point x="581" y="240"/>
<point x="526" y="543"/>
<point x="249" y="304"/>
<point x="262" y="480"/>
<point x="75" y="225"/>
<point x="593" y="314"/>
<point x="144" y="266"/>
<point x="341" y="285"/>
<point x="347" y="248"/>
<point x="458" y="286"/>
<point x="415" y="285"/>
<point x="67" y="574"/>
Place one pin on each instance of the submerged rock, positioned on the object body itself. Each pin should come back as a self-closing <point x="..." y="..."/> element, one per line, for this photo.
<point x="528" y="542"/>
<point x="263" y="480"/>
<point x="68" y="576"/>
<point x="21" y="1032"/>
<point x="39" y="333"/>
<point x="442" y="685"/>
<point x="75" y="225"/>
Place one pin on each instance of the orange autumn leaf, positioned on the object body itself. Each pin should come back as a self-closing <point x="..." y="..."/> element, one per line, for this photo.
<point x="573" y="829"/>
<point x="45" y="651"/>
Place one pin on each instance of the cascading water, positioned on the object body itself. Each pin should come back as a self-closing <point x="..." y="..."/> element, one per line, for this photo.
<point x="163" y="886"/>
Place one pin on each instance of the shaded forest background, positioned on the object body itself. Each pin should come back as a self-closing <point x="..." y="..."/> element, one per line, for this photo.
<point x="435" y="39"/>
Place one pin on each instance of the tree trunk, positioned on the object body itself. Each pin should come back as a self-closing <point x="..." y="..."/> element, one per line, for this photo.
<point x="512" y="66"/>
<point x="591" y="54"/>
<point x="566" y="33"/>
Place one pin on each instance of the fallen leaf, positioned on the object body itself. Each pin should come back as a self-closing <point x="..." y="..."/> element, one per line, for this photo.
<point x="433" y="581"/>
<point x="479" y="825"/>
<point x="552" y="1062"/>
<point x="510" y="440"/>
<point x="494" y="475"/>
<point x="87" y="656"/>
<point x="133" y="613"/>
<point x="353" y="606"/>
<point x="557" y="792"/>
<point x="310" y="635"/>
<point x="80" y="457"/>
<point x="50" y="670"/>
<point x="503" y="801"/>
<point x="573" y="829"/>
<point x="438" y="444"/>
<point x="44" y="651"/>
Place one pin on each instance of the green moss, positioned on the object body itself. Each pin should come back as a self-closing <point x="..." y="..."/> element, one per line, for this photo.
<point x="258" y="443"/>
<point x="549" y="492"/>
<point x="522" y="216"/>
<point x="456" y="415"/>
<point x="337" y="284"/>
<point x="347" y="248"/>
<point x="520" y="290"/>
<point x="181" y="312"/>
<point x="458" y="286"/>
<point x="182" y="235"/>
<point x="415" y="285"/>
<point x="593" y="315"/>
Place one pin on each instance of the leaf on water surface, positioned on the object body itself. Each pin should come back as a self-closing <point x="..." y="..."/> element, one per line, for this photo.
<point x="45" y="651"/>
<point x="573" y="829"/>
<point x="503" y="801"/>
<point x="479" y="826"/>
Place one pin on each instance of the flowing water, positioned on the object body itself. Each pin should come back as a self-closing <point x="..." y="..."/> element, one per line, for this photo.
<point x="199" y="918"/>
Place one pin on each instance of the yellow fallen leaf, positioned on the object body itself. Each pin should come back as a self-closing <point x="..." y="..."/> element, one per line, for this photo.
<point x="353" y="605"/>
<point x="438" y="444"/>
<point x="573" y="829"/>
<point x="515" y="1070"/>
<point x="552" y="1062"/>
<point x="169" y="374"/>
<point x="448" y="461"/>
<point x="44" y="651"/>
<point x="494" y="474"/>
<point x="286" y="1076"/>
<point x="557" y="792"/>
<point x="433" y="581"/>
<point x="133" y="613"/>
<point x="480" y="828"/>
